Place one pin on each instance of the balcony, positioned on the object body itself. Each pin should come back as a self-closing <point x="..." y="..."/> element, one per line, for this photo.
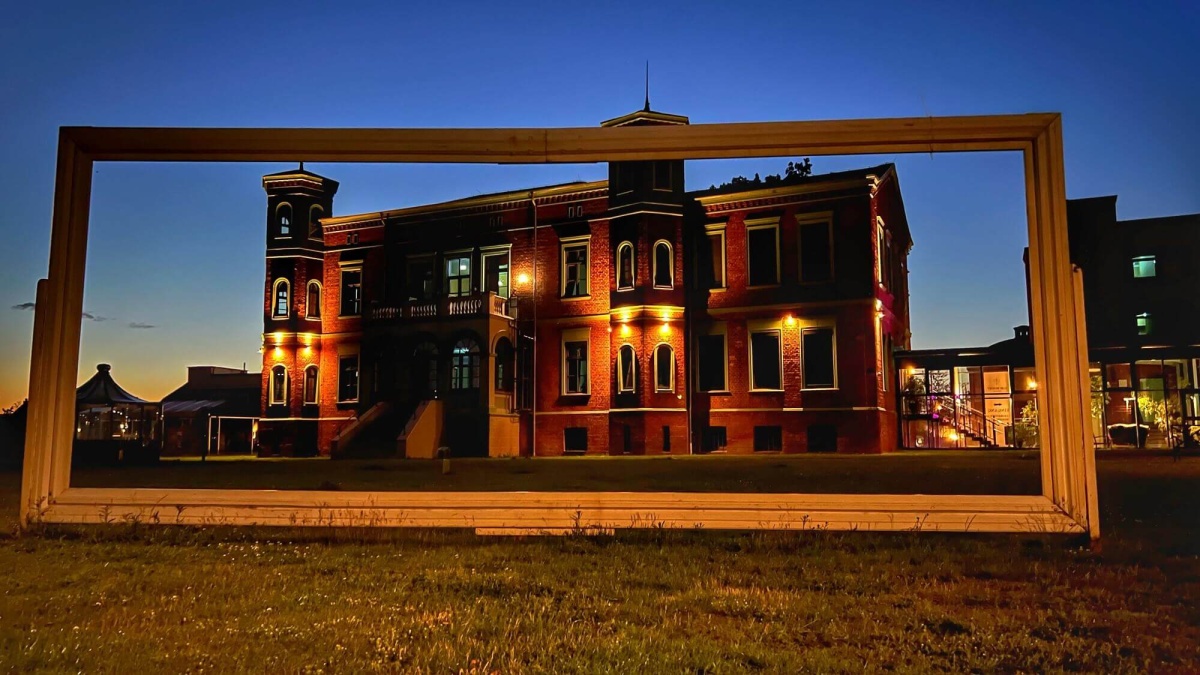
<point x="474" y="305"/>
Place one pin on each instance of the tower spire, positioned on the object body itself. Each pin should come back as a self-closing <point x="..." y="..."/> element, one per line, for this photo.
<point x="647" y="108"/>
<point x="301" y="165"/>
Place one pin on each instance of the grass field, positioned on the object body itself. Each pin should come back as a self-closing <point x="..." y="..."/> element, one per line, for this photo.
<point x="131" y="598"/>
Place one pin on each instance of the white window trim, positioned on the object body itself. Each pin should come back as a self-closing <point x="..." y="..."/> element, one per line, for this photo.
<point x="275" y="299"/>
<point x="831" y="324"/>
<point x="316" y="385"/>
<point x="571" y="242"/>
<point x="452" y="255"/>
<point x="271" y="385"/>
<point x="763" y="224"/>
<point x="505" y="251"/>
<point x="813" y="219"/>
<point x="278" y="226"/>
<point x="721" y="329"/>
<point x="720" y="230"/>
<point x="624" y="387"/>
<point x="358" y="380"/>
<point x="318" y="230"/>
<point x="771" y="326"/>
<point x="308" y="314"/>
<point x="575" y="335"/>
<point x="654" y="358"/>
<point x="342" y="291"/>
<point x="670" y="263"/>
<point x="879" y="244"/>
<point x="632" y="264"/>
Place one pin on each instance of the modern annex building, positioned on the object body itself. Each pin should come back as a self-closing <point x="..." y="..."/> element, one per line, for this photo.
<point x="606" y="317"/>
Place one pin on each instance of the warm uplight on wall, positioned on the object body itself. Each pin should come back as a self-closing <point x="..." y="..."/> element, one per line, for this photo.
<point x="666" y="315"/>
<point x="625" y="316"/>
<point x="277" y="337"/>
<point x="789" y="320"/>
<point x="1032" y="383"/>
<point x="523" y="278"/>
<point x="665" y="329"/>
<point x="625" y="330"/>
<point x="277" y="353"/>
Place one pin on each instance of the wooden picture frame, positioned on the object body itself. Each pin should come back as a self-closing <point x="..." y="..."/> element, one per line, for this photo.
<point x="1068" y="503"/>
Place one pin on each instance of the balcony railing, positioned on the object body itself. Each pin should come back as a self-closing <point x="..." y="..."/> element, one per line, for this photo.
<point x="476" y="304"/>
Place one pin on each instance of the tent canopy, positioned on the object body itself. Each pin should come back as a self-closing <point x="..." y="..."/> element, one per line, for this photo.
<point x="102" y="390"/>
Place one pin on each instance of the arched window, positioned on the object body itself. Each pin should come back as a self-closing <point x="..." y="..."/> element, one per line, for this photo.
<point x="279" y="385"/>
<point x="312" y="302"/>
<point x="283" y="216"/>
<point x="664" y="368"/>
<point x="626" y="369"/>
<point x="315" y="213"/>
<point x="625" y="273"/>
<point x="504" y="365"/>
<point x="281" y="305"/>
<point x="664" y="265"/>
<point x="464" y="365"/>
<point x="310" y="385"/>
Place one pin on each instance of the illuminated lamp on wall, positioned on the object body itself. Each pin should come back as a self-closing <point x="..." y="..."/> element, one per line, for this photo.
<point x="625" y="331"/>
<point x="523" y="278"/>
<point x="789" y="321"/>
<point x="665" y="329"/>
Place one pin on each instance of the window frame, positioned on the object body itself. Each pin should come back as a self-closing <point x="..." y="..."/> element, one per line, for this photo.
<point x="458" y="255"/>
<point x="670" y="265"/>
<point x="624" y="385"/>
<point x="622" y="247"/>
<point x="755" y="225"/>
<point x="658" y="389"/>
<point x="314" y="224"/>
<point x="752" y="329"/>
<point x="1144" y="323"/>
<point x="316" y="393"/>
<point x="569" y="336"/>
<point x="342" y="272"/>
<point x="279" y="224"/>
<point x="1152" y="259"/>
<point x="274" y="400"/>
<point x="566" y="243"/>
<point x="721" y="329"/>
<point x="809" y="219"/>
<point x="718" y="230"/>
<point x="342" y="358"/>
<point x="308" y="305"/>
<point x="814" y="326"/>
<point x="502" y="251"/>
<point x="287" y="299"/>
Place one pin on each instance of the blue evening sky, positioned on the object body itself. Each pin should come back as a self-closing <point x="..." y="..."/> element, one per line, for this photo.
<point x="179" y="247"/>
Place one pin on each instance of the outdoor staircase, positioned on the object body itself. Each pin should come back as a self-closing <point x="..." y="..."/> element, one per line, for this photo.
<point x="972" y="425"/>
<point x="372" y="435"/>
<point x="422" y="434"/>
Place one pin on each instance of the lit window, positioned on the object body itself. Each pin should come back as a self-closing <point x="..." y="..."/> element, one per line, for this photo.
<point x="1144" y="266"/>
<point x="495" y="273"/>
<point x="278" y="385"/>
<point x="351" y="292"/>
<point x="626" y="369"/>
<point x="1144" y="324"/>
<point x="766" y="372"/>
<point x="762" y="246"/>
<point x="348" y="378"/>
<point x="664" y="269"/>
<point x="310" y="385"/>
<point x="282" y="290"/>
<point x="575" y="362"/>
<point x="625" y="266"/>
<point x="464" y="365"/>
<point x="283" y="214"/>
<point x="712" y="359"/>
<point x="575" y="270"/>
<point x="664" y="368"/>
<point x="312" y="303"/>
<point x="817" y="358"/>
<point x="458" y="276"/>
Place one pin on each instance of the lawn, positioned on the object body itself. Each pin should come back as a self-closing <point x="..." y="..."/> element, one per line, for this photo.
<point x="130" y="598"/>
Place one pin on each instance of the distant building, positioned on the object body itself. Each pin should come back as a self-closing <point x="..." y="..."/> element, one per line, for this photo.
<point x="1143" y="327"/>
<point x="214" y="413"/>
<point x="622" y="316"/>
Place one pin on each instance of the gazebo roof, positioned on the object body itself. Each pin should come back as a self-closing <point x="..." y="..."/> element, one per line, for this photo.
<point x="101" y="389"/>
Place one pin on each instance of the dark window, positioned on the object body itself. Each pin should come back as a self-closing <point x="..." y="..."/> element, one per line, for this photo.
<point x="765" y="371"/>
<point x="712" y="439"/>
<point x="575" y="440"/>
<point x="575" y="271"/>
<point x="662" y="175"/>
<point x="625" y="266"/>
<point x="664" y="271"/>
<point x="763" y="254"/>
<point x="464" y="365"/>
<point x="348" y="378"/>
<point x="710" y="350"/>
<point x="822" y="438"/>
<point x="504" y="365"/>
<point x="666" y="438"/>
<point x="816" y="352"/>
<point x="627" y="437"/>
<point x="351" y="292"/>
<point x="281" y="298"/>
<point x="576" y="356"/>
<point x="420" y="279"/>
<point x="310" y="384"/>
<point x="458" y="276"/>
<point x="626" y="369"/>
<point x="315" y="214"/>
<point x="312" y="303"/>
<point x="714" y="267"/>
<point x="664" y="368"/>
<point x="816" y="259"/>
<point x="768" y="438"/>
<point x="284" y="215"/>
<point x="279" y="385"/>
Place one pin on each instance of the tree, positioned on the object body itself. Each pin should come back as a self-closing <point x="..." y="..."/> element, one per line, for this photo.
<point x="801" y="169"/>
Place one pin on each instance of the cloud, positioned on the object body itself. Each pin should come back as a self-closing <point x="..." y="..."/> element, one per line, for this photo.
<point x="140" y="325"/>
<point x="87" y="315"/>
<point x="25" y="305"/>
<point x="92" y="317"/>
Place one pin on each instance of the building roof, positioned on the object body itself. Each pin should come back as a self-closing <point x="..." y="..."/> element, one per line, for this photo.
<point x="102" y="389"/>
<point x="852" y="174"/>
<point x="645" y="117"/>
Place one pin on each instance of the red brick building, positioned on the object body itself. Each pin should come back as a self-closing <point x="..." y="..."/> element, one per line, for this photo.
<point x="607" y="317"/>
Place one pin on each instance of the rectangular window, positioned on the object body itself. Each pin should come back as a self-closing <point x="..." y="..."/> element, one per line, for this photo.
<point x="712" y="439"/>
<point x="458" y="275"/>
<point x="766" y="372"/>
<point x="575" y="270"/>
<point x="762" y="246"/>
<point x="666" y="438"/>
<point x="495" y="273"/>
<point x="575" y="362"/>
<point x="822" y="438"/>
<point x="817" y="360"/>
<point x="1144" y="266"/>
<point x="816" y="253"/>
<point x="575" y="440"/>
<point x="351" y="292"/>
<point x="1144" y="325"/>
<point x="714" y="267"/>
<point x="420" y="279"/>
<point x="348" y="378"/>
<point x="768" y="439"/>
<point x="710" y="351"/>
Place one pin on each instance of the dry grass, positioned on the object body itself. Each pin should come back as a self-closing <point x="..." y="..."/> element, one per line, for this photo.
<point x="124" y="599"/>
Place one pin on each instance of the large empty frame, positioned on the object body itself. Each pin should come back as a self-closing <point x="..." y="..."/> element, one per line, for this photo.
<point x="1068" y="501"/>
